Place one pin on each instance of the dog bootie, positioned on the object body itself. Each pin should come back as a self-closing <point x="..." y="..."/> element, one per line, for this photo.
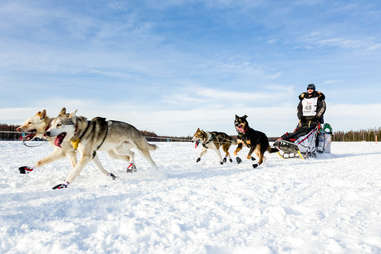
<point x="238" y="159"/>
<point x="112" y="176"/>
<point x="60" y="186"/>
<point x="131" y="168"/>
<point x="25" y="169"/>
<point x="255" y="165"/>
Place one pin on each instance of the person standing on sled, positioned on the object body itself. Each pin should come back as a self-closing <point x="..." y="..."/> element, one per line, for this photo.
<point x="311" y="109"/>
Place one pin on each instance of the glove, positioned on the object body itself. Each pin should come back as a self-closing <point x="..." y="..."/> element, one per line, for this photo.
<point x="25" y="169"/>
<point x="61" y="186"/>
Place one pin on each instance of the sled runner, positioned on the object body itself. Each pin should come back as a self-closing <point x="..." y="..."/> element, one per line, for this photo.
<point x="288" y="149"/>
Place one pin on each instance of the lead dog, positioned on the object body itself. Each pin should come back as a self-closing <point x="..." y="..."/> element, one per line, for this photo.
<point x="90" y="136"/>
<point x="37" y="125"/>
<point x="213" y="140"/>
<point x="256" y="141"/>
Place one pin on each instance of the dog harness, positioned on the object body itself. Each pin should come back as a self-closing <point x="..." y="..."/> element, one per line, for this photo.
<point x="212" y="136"/>
<point x="75" y="141"/>
<point x="104" y="138"/>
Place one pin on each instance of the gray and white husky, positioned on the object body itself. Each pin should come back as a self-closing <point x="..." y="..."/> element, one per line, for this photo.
<point x="90" y="136"/>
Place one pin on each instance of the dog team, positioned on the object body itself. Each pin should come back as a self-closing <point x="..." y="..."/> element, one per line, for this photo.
<point x="69" y="133"/>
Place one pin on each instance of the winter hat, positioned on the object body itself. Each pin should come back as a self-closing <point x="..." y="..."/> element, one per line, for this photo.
<point x="311" y="86"/>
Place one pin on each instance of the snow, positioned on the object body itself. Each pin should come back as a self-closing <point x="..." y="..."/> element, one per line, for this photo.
<point x="331" y="204"/>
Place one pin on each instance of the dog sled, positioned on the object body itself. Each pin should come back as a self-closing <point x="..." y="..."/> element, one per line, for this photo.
<point x="317" y="140"/>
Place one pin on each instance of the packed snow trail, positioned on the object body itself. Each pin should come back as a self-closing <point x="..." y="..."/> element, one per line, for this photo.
<point x="331" y="204"/>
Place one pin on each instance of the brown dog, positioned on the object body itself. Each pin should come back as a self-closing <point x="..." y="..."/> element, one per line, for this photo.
<point x="213" y="140"/>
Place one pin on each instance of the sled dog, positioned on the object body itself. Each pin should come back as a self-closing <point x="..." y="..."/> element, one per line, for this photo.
<point x="37" y="125"/>
<point x="256" y="141"/>
<point x="90" y="136"/>
<point x="213" y="140"/>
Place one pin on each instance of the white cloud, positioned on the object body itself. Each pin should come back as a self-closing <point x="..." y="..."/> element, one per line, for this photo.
<point x="317" y="39"/>
<point x="210" y="96"/>
<point x="331" y="82"/>
<point x="354" y="117"/>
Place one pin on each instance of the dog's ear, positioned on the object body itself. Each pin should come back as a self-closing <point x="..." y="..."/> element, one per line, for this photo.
<point x="198" y="129"/>
<point x="43" y="114"/>
<point x="62" y="112"/>
<point x="236" y="117"/>
<point x="245" y="116"/>
<point x="74" y="113"/>
<point x="39" y="113"/>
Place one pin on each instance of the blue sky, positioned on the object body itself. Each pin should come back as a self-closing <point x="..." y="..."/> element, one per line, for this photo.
<point x="173" y="66"/>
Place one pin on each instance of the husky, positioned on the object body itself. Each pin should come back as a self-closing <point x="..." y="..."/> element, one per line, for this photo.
<point x="213" y="140"/>
<point x="256" y="141"/>
<point x="37" y="126"/>
<point x="90" y="136"/>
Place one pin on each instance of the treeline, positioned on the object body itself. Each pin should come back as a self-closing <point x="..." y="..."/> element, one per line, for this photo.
<point x="361" y="135"/>
<point x="152" y="136"/>
<point x="8" y="132"/>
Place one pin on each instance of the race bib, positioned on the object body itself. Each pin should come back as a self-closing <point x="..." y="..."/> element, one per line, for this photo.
<point x="309" y="106"/>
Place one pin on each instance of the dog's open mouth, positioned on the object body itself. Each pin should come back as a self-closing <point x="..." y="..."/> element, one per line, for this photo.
<point x="240" y="129"/>
<point x="30" y="135"/>
<point x="196" y="143"/>
<point x="59" y="139"/>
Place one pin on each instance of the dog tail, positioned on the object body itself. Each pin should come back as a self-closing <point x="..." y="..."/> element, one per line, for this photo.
<point x="152" y="146"/>
<point x="272" y="150"/>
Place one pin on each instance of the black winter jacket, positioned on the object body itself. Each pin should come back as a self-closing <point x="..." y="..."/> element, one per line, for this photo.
<point x="320" y="108"/>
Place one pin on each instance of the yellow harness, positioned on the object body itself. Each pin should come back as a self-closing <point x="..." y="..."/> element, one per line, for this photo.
<point x="74" y="143"/>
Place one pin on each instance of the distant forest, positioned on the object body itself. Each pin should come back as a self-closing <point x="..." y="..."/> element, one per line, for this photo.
<point x="8" y="132"/>
<point x="362" y="135"/>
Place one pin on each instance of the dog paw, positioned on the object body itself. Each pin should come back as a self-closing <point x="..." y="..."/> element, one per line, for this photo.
<point x="252" y="158"/>
<point x="255" y="165"/>
<point x="238" y="159"/>
<point x="224" y="160"/>
<point x="112" y="176"/>
<point x="25" y="169"/>
<point x="131" y="168"/>
<point x="221" y="162"/>
<point x="198" y="159"/>
<point x="230" y="160"/>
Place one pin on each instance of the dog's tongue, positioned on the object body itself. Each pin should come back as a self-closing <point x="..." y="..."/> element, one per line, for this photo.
<point x="59" y="139"/>
<point x="240" y="129"/>
<point x="196" y="144"/>
<point x="29" y="136"/>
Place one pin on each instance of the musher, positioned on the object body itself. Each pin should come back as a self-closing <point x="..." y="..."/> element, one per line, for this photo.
<point x="311" y="109"/>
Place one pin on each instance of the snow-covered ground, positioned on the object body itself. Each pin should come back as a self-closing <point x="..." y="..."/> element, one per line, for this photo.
<point x="331" y="204"/>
